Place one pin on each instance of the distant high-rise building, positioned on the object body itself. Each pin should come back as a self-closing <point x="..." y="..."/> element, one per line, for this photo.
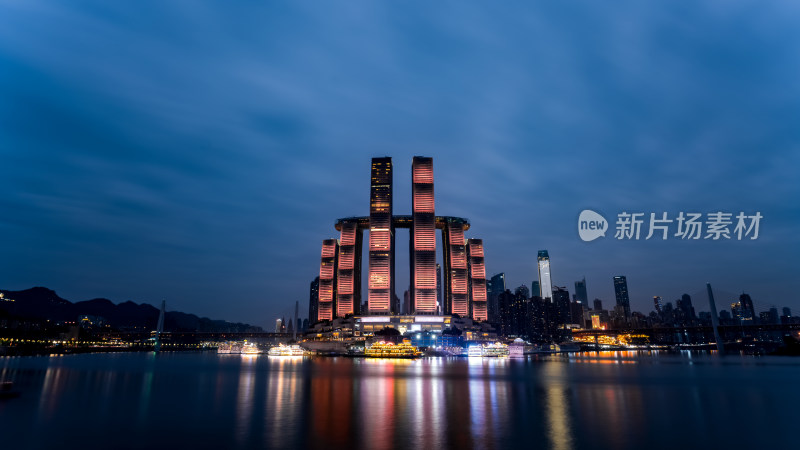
<point x="423" y="237"/>
<point x="621" y="292"/>
<point x="657" y="304"/>
<point x="523" y="291"/>
<point x="513" y="313"/>
<point x="278" y="326"/>
<point x="787" y="312"/>
<point x="497" y="285"/>
<point x="545" y="285"/>
<point x="313" y="301"/>
<point x="769" y="317"/>
<point x="305" y="325"/>
<point x="381" y="238"/>
<point x="748" y="312"/>
<point x="406" y="302"/>
<point x="685" y="304"/>
<point x="580" y="292"/>
<point x="597" y="305"/>
<point x="535" y="289"/>
<point x="562" y="305"/>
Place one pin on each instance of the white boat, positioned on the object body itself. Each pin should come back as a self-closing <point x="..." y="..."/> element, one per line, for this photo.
<point x="475" y="351"/>
<point x="517" y="349"/>
<point x="225" y="348"/>
<point x="249" y="349"/>
<point x="495" y="350"/>
<point x="286" y="350"/>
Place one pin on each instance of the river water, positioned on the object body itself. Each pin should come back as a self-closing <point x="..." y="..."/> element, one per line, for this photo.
<point x="205" y="400"/>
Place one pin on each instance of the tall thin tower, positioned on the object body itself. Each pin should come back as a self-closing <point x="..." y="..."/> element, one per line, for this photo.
<point x="381" y="238"/>
<point x="545" y="285"/>
<point x="423" y="237"/>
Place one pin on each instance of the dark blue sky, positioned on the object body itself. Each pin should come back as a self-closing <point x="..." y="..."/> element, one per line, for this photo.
<point x="200" y="151"/>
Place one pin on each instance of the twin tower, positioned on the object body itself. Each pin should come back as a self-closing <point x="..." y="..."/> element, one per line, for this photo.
<point x="340" y="269"/>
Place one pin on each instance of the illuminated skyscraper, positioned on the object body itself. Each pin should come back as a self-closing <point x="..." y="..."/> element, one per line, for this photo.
<point x="381" y="238"/>
<point x="477" y="274"/>
<point x="423" y="237"/>
<point x="545" y="285"/>
<point x="621" y="292"/>
<point x="348" y="282"/>
<point x="458" y="291"/>
<point x="327" y="279"/>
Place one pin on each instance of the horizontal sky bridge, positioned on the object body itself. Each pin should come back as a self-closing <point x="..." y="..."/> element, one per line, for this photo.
<point x="402" y="222"/>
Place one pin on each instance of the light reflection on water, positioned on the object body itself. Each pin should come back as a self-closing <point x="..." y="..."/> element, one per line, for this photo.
<point x="598" y="400"/>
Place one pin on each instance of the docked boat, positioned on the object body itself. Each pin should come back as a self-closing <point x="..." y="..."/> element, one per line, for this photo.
<point x="250" y="349"/>
<point x="517" y="349"/>
<point x="495" y="350"/>
<point x="475" y="351"/>
<point x="225" y="348"/>
<point x="286" y="350"/>
<point x="392" y="350"/>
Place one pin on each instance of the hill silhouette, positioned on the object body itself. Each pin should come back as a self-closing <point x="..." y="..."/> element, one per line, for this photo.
<point x="41" y="303"/>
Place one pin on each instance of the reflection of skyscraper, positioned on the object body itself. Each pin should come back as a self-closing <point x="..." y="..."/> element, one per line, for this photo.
<point x="580" y="291"/>
<point x="381" y="237"/>
<point x="313" y="301"/>
<point x="423" y="237"/>
<point x="545" y="285"/>
<point x="621" y="292"/>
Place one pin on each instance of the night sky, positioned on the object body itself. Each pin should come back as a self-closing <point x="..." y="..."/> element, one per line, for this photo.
<point x="201" y="151"/>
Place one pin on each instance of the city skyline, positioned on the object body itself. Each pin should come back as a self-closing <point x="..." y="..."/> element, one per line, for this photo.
<point x="168" y="174"/>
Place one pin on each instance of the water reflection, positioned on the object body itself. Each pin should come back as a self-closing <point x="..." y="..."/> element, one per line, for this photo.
<point x="205" y="400"/>
<point x="559" y="429"/>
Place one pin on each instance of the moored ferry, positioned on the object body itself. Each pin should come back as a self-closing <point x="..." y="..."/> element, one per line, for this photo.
<point x="392" y="350"/>
<point x="495" y="350"/>
<point x="475" y="351"/>
<point x="250" y="348"/>
<point x="229" y="347"/>
<point x="286" y="350"/>
<point x="517" y="349"/>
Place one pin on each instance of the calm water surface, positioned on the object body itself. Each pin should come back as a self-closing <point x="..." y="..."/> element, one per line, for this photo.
<point x="205" y="400"/>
